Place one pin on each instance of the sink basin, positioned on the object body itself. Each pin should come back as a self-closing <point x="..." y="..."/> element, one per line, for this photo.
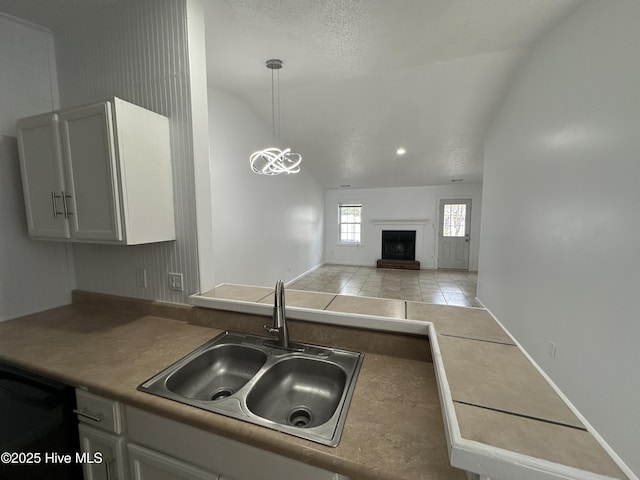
<point x="298" y="391"/>
<point x="216" y="373"/>
<point x="303" y="391"/>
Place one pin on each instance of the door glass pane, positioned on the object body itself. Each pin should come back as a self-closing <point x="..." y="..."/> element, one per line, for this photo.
<point x="454" y="219"/>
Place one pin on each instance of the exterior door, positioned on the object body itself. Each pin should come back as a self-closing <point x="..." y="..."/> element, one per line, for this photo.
<point x="453" y="234"/>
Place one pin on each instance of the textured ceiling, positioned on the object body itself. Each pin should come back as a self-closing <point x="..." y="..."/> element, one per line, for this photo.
<point x="50" y="13"/>
<point x="365" y="77"/>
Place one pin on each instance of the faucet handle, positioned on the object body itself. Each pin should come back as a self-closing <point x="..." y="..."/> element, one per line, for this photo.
<point x="272" y="331"/>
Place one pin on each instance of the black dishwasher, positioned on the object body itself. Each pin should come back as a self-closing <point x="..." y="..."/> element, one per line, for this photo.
<point x="37" y="428"/>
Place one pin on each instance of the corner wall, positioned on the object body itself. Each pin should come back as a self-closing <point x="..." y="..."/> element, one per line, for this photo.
<point x="559" y="256"/>
<point x="265" y="228"/>
<point x="35" y="275"/>
<point x="411" y="208"/>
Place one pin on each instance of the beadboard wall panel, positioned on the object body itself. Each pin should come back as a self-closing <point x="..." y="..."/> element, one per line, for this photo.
<point x="137" y="51"/>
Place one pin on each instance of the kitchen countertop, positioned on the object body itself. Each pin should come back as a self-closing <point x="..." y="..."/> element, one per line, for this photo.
<point x="394" y="427"/>
<point x="502" y="415"/>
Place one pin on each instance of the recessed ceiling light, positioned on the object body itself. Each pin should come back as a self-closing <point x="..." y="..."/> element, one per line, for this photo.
<point x="401" y="151"/>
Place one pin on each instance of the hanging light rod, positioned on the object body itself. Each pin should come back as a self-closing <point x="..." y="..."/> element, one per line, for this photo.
<point x="273" y="160"/>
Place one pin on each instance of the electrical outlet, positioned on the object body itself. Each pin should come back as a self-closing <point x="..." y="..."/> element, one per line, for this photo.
<point x="141" y="278"/>
<point x="552" y="350"/>
<point x="175" y="282"/>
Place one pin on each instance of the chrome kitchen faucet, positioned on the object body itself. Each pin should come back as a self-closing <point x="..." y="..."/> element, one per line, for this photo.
<point x="279" y="328"/>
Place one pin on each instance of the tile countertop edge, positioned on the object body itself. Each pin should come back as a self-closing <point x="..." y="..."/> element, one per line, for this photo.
<point x="486" y="459"/>
<point x="463" y="453"/>
<point x="356" y="320"/>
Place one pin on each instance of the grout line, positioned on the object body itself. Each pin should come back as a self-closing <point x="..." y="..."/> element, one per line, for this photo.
<point x="521" y="415"/>
<point x="478" y="339"/>
<point x="334" y="297"/>
<point x="267" y="295"/>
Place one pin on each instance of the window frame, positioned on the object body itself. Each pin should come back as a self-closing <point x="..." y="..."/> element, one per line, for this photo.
<point x="340" y="223"/>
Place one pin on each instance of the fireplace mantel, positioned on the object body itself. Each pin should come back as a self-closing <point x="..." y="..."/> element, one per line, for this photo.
<point x="418" y="221"/>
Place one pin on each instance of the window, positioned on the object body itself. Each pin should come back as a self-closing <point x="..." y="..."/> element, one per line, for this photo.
<point x="454" y="220"/>
<point x="350" y="219"/>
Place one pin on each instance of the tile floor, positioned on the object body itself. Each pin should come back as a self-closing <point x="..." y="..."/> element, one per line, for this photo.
<point x="433" y="286"/>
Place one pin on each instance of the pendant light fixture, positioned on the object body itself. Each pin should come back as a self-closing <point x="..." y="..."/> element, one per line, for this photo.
<point x="273" y="161"/>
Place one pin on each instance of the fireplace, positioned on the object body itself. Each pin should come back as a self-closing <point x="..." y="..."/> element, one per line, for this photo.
<point x="399" y="245"/>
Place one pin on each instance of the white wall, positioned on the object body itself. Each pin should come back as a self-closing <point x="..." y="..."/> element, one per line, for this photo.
<point x="200" y="125"/>
<point x="560" y="256"/>
<point x="138" y="51"/>
<point x="265" y="228"/>
<point x="404" y="205"/>
<point x="34" y="275"/>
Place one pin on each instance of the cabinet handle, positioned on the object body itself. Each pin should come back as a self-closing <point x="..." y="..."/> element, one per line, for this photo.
<point x="82" y="413"/>
<point x="65" y="207"/>
<point x="54" y="203"/>
<point x="107" y="462"/>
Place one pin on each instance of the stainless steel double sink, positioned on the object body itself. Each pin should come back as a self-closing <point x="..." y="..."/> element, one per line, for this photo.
<point x="303" y="390"/>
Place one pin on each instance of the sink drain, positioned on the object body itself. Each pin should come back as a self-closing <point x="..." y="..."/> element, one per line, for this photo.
<point x="300" y="417"/>
<point x="221" y="393"/>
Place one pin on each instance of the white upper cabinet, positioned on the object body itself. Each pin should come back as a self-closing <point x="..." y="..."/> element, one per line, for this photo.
<point x="100" y="173"/>
<point x="41" y="167"/>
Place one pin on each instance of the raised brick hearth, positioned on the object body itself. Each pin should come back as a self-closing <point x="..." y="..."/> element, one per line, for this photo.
<point x="399" y="264"/>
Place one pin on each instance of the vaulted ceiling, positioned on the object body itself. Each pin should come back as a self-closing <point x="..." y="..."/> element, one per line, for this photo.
<point x="363" y="78"/>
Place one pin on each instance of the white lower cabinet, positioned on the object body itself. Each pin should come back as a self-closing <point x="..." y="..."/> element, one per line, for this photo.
<point x="176" y="444"/>
<point x="120" y="442"/>
<point x="104" y="455"/>
<point x="101" y="440"/>
<point x="150" y="465"/>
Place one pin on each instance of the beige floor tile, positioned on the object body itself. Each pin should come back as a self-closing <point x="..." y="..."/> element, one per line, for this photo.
<point x="432" y="286"/>
<point x="453" y="296"/>
<point x="433" y="298"/>
<point x="430" y="289"/>
<point x="450" y="289"/>
<point x="413" y="298"/>
<point x="459" y="302"/>
<point x="328" y="288"/>
<point x="369" y="293"/>
<point x="349" y="291"/>
<point x="475" y="303"/>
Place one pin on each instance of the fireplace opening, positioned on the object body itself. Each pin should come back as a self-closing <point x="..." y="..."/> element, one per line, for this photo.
<point x="399" y="245"/>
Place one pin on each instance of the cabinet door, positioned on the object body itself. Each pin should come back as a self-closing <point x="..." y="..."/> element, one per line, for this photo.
<point x="104" y="457"/>
<point x="42" y="176"/>
<point x="92" y="195"/>
<point x="151" y="465"/>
